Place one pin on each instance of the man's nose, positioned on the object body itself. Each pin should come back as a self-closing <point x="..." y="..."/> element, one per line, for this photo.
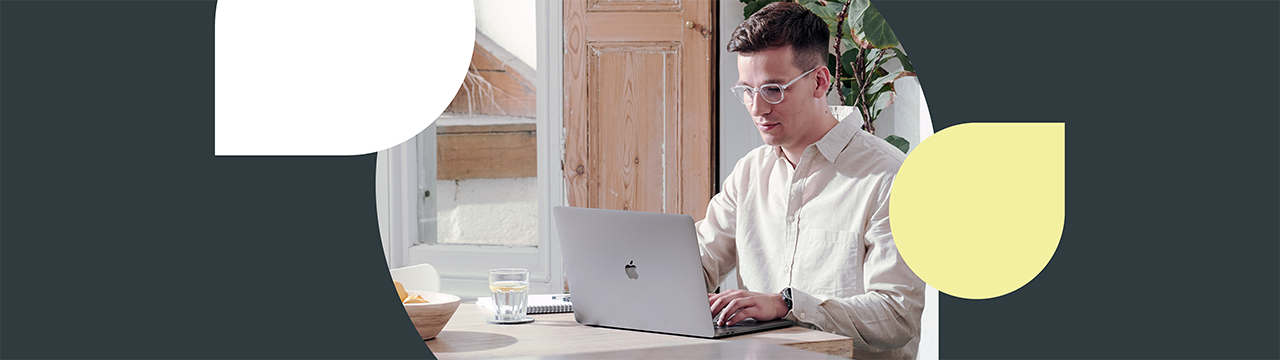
<point x="758" y="107"/>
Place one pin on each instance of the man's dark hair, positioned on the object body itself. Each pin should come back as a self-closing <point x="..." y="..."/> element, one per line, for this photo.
<point x="784" y="23"/>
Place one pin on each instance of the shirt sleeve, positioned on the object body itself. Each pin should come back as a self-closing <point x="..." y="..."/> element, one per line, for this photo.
<point x="888" y="315"/>
<point x="716" y="240"/>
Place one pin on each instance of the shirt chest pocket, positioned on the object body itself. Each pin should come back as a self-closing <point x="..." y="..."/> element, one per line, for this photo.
<point x="829" y="263"/>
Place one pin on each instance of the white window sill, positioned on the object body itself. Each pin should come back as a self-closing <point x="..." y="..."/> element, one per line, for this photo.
<point x="464" y="269"/>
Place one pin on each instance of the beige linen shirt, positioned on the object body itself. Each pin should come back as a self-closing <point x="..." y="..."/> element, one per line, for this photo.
<point x="823" y="230"/>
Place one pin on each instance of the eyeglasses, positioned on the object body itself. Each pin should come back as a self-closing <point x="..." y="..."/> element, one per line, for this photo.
<point x="772" y="93"/>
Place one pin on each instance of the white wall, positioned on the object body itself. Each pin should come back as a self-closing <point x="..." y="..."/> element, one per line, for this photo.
<point x="737" y="135"/>
<point x="511" y="24"/>
<point x="488" y="211"/>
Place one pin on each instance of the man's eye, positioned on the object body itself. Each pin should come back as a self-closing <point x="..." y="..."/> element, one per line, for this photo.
<point x="770" y="91"/>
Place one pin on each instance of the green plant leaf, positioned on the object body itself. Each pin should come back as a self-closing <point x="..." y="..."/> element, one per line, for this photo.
<point x="831" y="64"/>
<point x="884" y="59"/>
<point x="872" y="53"/>
<point x="754" y="5"/>
<point x="845" y="43"/>
<point x="879" y="82"/>
<point x="879" y="101"/>
<point x="847" y="60"/>
<point x="902" y="58"/>
<point x="874" y="97"/>
<point x="898" y="142"/>
<point x="868" y="69"/>
<point x="874" y="72"/>
<point x="827" y="10"/>
<point x="886" y="92"/>
<point x="878" y="66"/>
<point x="866" y="23"/>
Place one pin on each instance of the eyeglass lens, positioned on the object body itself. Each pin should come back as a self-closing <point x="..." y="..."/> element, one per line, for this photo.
<point x="771" y="93"/>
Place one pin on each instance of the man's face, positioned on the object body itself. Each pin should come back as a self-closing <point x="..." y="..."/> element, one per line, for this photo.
<point x="786" y="123"/>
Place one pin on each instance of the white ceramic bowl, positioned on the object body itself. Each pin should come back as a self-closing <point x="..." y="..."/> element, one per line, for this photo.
<point x="430" y="317"/>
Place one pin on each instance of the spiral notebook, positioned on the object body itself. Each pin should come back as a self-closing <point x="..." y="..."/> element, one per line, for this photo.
<point x="538" y="304"/>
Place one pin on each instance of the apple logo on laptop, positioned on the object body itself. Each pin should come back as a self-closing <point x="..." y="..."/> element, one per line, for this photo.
<point x="631" y="270"/>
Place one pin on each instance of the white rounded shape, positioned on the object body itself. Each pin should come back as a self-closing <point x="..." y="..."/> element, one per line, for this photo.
<point x="334" y="77"/>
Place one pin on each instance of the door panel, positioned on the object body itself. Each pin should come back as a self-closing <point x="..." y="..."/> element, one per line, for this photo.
<point x="635" y="26"/>
<point x="634" y="5"/>
<point x="639" y="111"/>
<point x="631" y="172"/>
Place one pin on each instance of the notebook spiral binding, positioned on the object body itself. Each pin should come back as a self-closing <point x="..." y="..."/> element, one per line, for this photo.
<point x="538" y="303"/>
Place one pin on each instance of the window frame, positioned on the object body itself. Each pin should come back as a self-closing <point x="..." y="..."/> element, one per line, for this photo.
<point x="464" y="268"/>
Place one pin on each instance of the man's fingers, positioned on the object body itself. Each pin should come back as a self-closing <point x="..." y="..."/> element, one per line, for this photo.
<point x="718" y="301"/>
<point x="725" y="310"/>
<point x="714" y="297"/>
<point x="731" y="311"/>
<point x="732" y="306"/>
<point x="718" y="304"/>
<point x="746" y="312"/>
<point x="728" y="317"/>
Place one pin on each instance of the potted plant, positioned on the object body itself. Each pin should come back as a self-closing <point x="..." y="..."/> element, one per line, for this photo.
<point x="864" y="44"/>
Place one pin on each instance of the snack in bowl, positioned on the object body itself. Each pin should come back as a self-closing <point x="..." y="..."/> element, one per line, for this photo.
<point x="404" y="295"/>
<point x="400" y="290"/>
<point x="429" y="317"/>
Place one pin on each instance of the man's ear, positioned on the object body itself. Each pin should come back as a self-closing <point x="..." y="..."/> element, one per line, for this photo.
<point x="823" y="82"/>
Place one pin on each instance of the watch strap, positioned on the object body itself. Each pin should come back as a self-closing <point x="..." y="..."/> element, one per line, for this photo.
<point x="786" y="297"/>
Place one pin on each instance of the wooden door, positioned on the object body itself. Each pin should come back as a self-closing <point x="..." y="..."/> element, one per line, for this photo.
<point x="639" y="109"/>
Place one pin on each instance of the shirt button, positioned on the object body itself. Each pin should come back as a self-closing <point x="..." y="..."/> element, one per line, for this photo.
<point x="791" y="218"/>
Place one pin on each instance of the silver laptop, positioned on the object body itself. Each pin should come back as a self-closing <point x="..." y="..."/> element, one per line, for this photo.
<point x="639" y="271"/>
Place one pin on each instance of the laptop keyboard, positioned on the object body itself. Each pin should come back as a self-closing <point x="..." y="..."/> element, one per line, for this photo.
<point x="748" y="321"/>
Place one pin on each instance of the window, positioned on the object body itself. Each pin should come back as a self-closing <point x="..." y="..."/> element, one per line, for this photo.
<point x="474" y="190"/>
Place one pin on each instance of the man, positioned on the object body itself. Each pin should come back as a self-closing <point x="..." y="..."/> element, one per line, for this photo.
<point x="805" y="218"/>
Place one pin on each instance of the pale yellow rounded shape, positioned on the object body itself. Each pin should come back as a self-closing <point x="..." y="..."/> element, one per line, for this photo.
<point x="977" y="209"/>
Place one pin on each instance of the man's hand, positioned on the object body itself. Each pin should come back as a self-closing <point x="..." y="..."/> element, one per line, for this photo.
<point x="735" y="305"/>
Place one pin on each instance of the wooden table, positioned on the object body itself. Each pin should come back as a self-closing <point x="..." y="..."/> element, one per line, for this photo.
<point x="726" y="350"/>
<point x="468" y="336"/>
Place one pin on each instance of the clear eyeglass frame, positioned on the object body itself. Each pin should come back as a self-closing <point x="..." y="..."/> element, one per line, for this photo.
<point x="746" y="94"/>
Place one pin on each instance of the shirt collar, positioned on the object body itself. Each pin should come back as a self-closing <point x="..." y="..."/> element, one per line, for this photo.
<point x="831" y="144"/>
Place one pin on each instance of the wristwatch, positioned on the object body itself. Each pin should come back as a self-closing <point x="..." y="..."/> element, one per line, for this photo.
<point x="786" y="297"/>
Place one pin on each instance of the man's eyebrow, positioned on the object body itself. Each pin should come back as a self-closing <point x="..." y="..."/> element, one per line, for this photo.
<point x="766" y="82"/>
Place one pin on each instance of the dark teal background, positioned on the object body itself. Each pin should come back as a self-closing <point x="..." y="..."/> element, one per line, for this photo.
<point x="113" y="205"/>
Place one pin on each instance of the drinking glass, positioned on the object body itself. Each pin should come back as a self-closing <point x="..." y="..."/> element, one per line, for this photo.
<point x="510" y="289"/>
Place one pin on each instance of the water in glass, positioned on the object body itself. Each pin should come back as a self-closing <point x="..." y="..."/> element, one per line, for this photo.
<point x="511" y="298"/>
<point x="510" y="288"/>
